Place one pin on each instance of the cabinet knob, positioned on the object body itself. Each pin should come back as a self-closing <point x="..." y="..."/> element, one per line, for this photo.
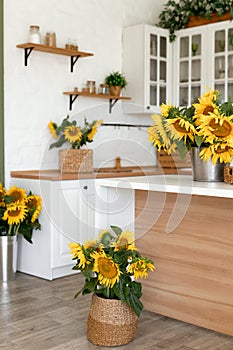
<point x="148" y="107"/>
<point x="85" y="187"/>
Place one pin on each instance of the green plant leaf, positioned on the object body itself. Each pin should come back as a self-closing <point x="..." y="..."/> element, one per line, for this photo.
<point x="199" y="141"/>
<point x="135" y="304"/>
<point x="59" y="142"/>
<point x="137" y="288"/>
<point x="117" y="230"/>
<point x="182" y="149"/>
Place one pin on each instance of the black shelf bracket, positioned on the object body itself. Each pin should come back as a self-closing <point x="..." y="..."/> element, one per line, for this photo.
<point x="112" y="104"/>
<point x="73" y="61"/>
<point x="72" y="99"/>
<point x="27" y="52"/>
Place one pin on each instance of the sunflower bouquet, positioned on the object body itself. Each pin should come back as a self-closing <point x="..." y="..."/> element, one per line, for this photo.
<point x="206" y="124"/>
<point x="68" y="131"/>
<point x="19" y="212"/>
<point x="111" y="266"/>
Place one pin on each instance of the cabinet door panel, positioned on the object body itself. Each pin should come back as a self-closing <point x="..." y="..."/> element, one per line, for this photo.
<point x="221" y="37"/>
<point x="73" y="217"/>
<point x="189" y="73"/>
<point x="146" y="51"/>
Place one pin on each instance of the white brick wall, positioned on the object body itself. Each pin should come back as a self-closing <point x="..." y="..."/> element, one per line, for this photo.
<point x="34" y="94"/>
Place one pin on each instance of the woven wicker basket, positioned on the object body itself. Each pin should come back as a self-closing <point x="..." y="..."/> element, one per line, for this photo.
<point x="173" y="161"/>
<point x="110" y="322"/>
<point x="228" y="174"/>
<point x="76" y="161"/>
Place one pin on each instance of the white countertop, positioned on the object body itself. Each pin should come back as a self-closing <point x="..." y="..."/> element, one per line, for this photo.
<point x="170" y="183"/>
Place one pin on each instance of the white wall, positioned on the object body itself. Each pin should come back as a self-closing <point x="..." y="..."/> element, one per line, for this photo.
<point x="34" y="94"/>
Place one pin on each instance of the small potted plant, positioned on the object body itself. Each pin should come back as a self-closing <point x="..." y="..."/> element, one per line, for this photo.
<point x="75" y="159"/>
<point x="176" y="15"/>
<point x="111" y="266"/>
<point x="116" y="82"/>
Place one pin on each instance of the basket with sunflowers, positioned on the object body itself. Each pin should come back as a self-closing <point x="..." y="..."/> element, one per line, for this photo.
<point x="207" y="125"/>
<point x="74" y="159"/>
<point x="111" y="266"/>
<point x="19" y="212"/>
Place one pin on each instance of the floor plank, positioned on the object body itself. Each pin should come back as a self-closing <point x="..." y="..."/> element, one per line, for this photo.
<point x="37" y="314"/>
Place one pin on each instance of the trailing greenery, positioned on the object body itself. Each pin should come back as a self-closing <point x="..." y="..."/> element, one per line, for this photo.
<point x="116" y="79"/>
<point x="175" y="15"/>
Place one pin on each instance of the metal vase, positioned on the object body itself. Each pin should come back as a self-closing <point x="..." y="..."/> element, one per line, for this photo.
<point x="8" y="258"/>
<point x="205" y="170"/>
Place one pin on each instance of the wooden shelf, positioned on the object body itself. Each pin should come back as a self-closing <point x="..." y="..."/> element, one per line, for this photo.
<point x="112" y="99"/>
<point x="73" y="54"/>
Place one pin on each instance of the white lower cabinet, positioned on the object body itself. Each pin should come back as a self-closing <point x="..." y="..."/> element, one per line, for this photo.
<point x="68" y="214"/>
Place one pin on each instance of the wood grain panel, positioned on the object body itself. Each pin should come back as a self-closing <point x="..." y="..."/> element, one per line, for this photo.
<point x="194" y="277"/>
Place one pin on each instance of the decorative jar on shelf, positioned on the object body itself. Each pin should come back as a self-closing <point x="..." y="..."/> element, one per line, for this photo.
<point x="50" y="39"/>
<point x="34" y="34"/>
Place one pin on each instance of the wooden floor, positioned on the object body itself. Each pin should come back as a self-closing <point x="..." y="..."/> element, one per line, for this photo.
<point x="38" y="315"/>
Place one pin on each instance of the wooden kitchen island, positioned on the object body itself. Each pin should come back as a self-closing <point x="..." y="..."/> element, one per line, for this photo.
<point x="186" y="228"/>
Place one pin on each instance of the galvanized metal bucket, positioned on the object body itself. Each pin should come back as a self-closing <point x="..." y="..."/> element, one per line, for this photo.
<point x="8" y="258"/>
<point x="205" y="170"/>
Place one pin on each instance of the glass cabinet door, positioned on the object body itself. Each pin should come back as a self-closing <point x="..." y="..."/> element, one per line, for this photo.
<point x="189" y="69"/>
<point x="158" y="69"/>
<point x="223" y="62"/>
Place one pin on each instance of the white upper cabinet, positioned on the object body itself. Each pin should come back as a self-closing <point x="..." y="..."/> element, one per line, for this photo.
<point x="160" y="72"/>
<point x="221" y="38"/>
<point x="203" y="58"/>
<point x="146" y="53"/>
<point x="189" y="69"/>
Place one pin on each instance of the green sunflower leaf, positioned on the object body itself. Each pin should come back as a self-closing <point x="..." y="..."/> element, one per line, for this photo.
<point x="117" y="230"/>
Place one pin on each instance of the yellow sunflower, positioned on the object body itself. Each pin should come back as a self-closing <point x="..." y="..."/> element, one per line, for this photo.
<point x="181" y="129"/>
<point x="94" y="130"/>
<point x="154" y="137"/>
<point x="125" y="241"/>
<point x="15" y="213"/>
<point x="108" y="271"/>
<point x="34" y="203"/>
<point x="52" y="129"/>
<point x="207" y="104"/>
<point x="90" y="244"/>
<point x="18" y="194"/>
<point x="158" y="135"/>
<point x="140" y="267"/>
<point x="216" y="152"/>
<point x="77" y="251"/>
<point x="164" y="109"/>
<point x="215" y="128"/>
<point x="105" y="237"/>
<point x="209" y="95"/>
<point x="2" y="194"/>
<point x="73" y="133"/>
